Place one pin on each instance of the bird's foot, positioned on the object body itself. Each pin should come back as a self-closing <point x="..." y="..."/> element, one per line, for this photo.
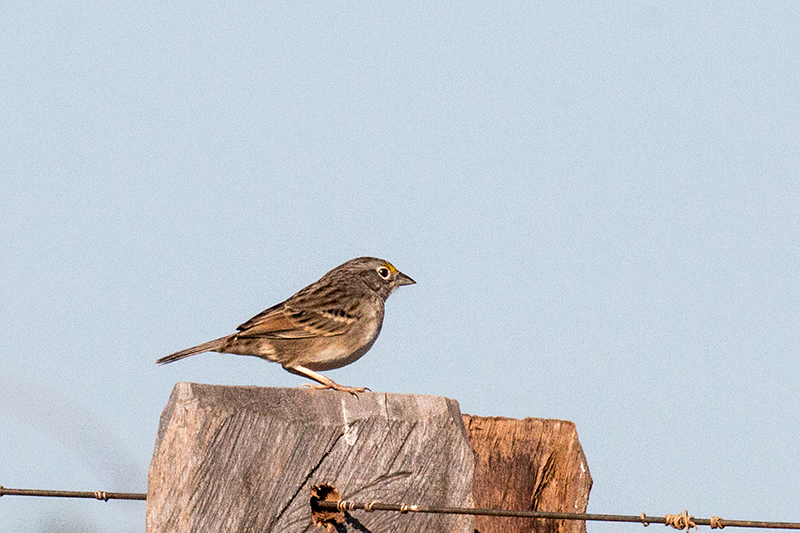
<point x="335" y="386"/>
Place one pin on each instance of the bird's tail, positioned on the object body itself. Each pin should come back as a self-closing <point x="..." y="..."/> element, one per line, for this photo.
<point x="210" y="346"/>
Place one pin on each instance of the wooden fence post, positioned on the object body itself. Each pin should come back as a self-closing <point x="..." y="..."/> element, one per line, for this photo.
<point x="533" y="464"/>
<point x="243" y="459"/>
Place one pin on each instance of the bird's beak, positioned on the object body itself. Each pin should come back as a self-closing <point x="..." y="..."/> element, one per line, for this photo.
<point x="402" y="279"/>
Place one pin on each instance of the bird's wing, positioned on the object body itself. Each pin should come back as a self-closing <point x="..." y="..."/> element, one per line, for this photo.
<point x="284" y="321"/>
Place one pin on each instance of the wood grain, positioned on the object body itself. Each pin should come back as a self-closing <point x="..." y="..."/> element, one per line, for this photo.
<point x="243" y="459"/>
<point x="532" y="464"/>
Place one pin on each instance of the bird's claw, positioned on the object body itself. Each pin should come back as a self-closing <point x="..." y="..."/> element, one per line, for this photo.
<point x="335" y="386"/>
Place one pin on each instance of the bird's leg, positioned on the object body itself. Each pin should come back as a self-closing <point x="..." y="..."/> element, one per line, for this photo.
<point x="325" y="383"/>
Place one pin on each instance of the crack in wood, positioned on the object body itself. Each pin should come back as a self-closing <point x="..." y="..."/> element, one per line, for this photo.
<point x="306" y="480"/>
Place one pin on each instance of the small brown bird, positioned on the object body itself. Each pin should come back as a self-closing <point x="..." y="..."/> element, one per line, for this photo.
<point x="329" y="324"/>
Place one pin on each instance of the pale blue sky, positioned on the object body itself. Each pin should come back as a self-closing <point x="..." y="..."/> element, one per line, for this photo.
<point x="600" y="204"/>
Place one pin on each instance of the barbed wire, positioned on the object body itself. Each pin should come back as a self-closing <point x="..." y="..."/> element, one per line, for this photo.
<point x="678" y="521"/>
<point x="96" y="495"/>
<point x="325" y="501"/>
<point x="682" y="521"/>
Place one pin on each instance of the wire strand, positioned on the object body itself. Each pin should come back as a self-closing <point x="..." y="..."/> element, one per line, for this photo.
<point x="682" y="521"/>
<point x="96" y="495"/>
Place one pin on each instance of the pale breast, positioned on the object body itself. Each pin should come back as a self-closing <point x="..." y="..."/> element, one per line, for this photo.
<point x="341" y="350"/>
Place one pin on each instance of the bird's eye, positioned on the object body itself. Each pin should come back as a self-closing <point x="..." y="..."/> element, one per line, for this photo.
<point x="383" y="272"/>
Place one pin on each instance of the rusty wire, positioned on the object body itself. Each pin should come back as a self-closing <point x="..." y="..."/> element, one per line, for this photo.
<point x="668" y="520"/>
<point x="344" y="505"/>
<point x="97" y="495"/>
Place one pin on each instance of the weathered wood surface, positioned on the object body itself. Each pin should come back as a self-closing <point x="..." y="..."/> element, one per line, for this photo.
<point x="243" y="459"/>
<point x="532" y="464"/>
